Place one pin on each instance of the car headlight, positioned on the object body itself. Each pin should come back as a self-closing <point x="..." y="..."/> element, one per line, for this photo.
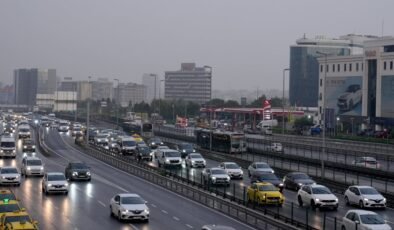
<point x="66" y="184"/>
<point x="365" y="199"/>
<point x="272" y="171"/>
<point x="213" y="178"/>
<point x="1" y="151"/>
<point x="106" y="140"/>
<point x="317" y="200"/>
<point x="281" y="185"/>
<point x="124" y="212"/>
<point x="228" y="178"/>
<point x="153" y="143"/>
<point x="384" y="199"/>
<point x="24" y="146"/>
<point x="146" y="211"/>
<point x="336" y="200"/>
<point x="167" y="160"/>
<point x="242" y="172"/>
<point x="17" y="177"/>
<point x="184" y="150"/>
<point x="75" y="173"/>
<point x="41" y="168"/>
<point x="33" y="146"/>
<point x="49" y="185"/>
<point x="14" y="151"/>
<point x="28" y="168"/>
<point x="300" y="184"/>
<point x="88" y="173"/>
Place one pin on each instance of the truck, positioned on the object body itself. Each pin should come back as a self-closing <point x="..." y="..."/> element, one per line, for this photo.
<point x="350" y="98"/>
<point x="265" y="126"/>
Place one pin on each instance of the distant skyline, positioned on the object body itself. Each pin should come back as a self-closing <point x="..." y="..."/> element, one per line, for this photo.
<point x="246" y="42"/>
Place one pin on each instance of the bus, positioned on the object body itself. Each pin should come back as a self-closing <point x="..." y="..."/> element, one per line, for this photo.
<point x="222" y="141"/>
<point x="145" y="129"/>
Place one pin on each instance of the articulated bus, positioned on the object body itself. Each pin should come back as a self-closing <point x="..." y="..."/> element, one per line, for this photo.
<point x="227" y="142"/>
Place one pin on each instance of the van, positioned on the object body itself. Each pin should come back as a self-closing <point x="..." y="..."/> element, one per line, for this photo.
<point x="7" y="147"/>
<point x="126" y="145"/>
<point x="32" y="166"/>
<point x="24" y="131"/>
<point x="168" y="157"/>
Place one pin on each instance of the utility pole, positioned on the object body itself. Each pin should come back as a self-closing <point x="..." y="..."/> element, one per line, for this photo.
<point x="88" y="113"/>
<point x="117" y="104"/>
<point x="283" y="101"/>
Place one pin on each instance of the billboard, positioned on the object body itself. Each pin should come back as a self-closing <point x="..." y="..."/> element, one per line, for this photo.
<point x="387" y="107"/>
<point x="344" y="95"/>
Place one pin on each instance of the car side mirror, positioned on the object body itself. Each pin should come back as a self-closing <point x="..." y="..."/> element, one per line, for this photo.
<point x="145" y="202"/>
<point x="309" y="192"/>
<point x="357" y="221"/>
<point x="23" y="209"/>
<point x="117" y="202"/>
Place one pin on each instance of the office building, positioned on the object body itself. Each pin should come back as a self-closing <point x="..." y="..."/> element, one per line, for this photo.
<point x="30" y="82"/>
<point x="130" y="93"/>
<point x="102" y="89"/>
<point x="359" y="88"/>
<point x="304" y="68"/>
<point x="190" y="83"/>
<point x="153" y="84"/>
<point x="83" y="88"/>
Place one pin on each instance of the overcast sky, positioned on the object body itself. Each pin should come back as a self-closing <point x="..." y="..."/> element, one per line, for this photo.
<point x="245" y="41"/>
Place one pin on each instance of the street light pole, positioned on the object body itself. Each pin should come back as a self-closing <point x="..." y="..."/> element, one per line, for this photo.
<point x="117" y="104"/>
<point x="160" y="96"/>
<point x="88" y="114"/>
<point x="283" y="101"/>
<point x="76" y="103"/>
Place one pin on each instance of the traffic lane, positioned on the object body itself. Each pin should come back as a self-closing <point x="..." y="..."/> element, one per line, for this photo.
<point x="177" y="209"/>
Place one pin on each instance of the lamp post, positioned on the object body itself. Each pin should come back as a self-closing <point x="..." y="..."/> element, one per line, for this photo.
<point x="283" y="101"/>
<point x="323" y="113"/>
<point x="154" y="97"/>
<point x="160" y="96"/>
<point x="76" y="103"/>
<point x="88" y="113"/>
<point x="117" y="103"/>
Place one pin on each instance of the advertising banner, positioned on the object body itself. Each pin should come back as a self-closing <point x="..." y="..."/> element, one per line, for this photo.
<point x="387" y="96"/>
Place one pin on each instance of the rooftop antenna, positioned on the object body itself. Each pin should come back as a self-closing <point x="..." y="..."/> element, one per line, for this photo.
<point x="382" y="26"/>
<point x="304" y="36"/>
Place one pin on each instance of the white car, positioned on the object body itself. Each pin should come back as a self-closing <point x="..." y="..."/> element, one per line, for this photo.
<point x="215" y="176"/>
<point x="363" y="220"/>
<point x="365" y="197"/>
<point x="232" y="169"/>
<point x="317" y="196"/>
<point x="195" y="160"/>
<point x="129" y="206"/>
<point x="169" y="157"/>
<point x="258" y="168"/>
<point x="368" y="162"/>
<point x="54" y="182"/>
<point x="32" y="166"/>
<point x="275" y="147"/>
<point x="101" y="139"/>
<point x="9" y="175"/>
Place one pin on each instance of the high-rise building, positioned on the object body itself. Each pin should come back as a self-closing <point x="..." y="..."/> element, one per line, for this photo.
<point x="152" y="83"/>
<point x="190" y="83"/>
<point x="304" y="67"/>
<point x="102" y="89"/>
<point x="83" y="88"/>
<point x="30" y="82"/>
<point x="129" y="93"/>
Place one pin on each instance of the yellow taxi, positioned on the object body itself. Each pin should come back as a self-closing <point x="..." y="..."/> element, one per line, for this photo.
<point x="17" y="220"/>
<point x="7" y="194"/>
<point x="265" y="193"/>
<point x="138" y="139"/>
<point x="9" y="206"/>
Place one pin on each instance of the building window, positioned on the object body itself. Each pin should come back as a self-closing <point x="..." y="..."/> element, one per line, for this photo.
<point x="333" y="68"/>
<point x="391" y="65"/>
<point x="357" y="66"/>
<point x="350" y="67"/>
<point x="321" y="68"/>
<point x="320" y="109"/>
<point x="384" y="65"/>
<point x="339" y="68"/>
<point x="321" y="82"/>
<point x="326" y="68"/>
<point x="320" y="96"/>
<point x="362" y="66"/>
<point x="344" y="67"/>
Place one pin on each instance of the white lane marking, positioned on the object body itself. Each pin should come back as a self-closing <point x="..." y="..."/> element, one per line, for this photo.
<point x="164" y="211"/>
<point x="153" y="205"/>
<point x="189" y="226"/>
<point x="157" y="186"/>
<point x="175" y="218"/>
<point x="102" y="204"/>
<point x="133" y="227"/>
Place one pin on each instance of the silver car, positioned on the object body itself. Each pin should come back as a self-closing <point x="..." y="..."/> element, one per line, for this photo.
<point x="258" y="168"/>
<point x="129" y="207"/>
<point x="195" y="160"/>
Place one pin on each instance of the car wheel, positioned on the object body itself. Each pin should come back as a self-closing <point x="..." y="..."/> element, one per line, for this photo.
<point x="46" y="192"/>
<point x="248" y="198"/>
<point x="66" y="193"/>
<point x="313" y="205"/>
<point x="249" y="173"/>
<point x="19" y="184"/>
<point x="300" y="203"/>
<point x="119" y="216"/>
<point x="343" y="228"/>
<point x="361" y="204"/>
<point x="147" y="220"/>
<point x="347" y="201"/>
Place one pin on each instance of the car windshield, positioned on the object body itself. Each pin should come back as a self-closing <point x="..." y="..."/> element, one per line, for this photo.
<point x="232" y="166"/>
<point x="371" y="219"/>
<point x="10" y="219"/>
<point x="186" y="146"/>
<point x="144" y="150"/>
<point x="268" y="176"/>
<point x="9" y="208"/>
<point x="195" y="156"/>
<point x="34" y="162"/>
<point x="9" y="196"/>
<point x="129" y="143"/>
<point x="218" y="171"/>
<point x="101" y="136"/>
<point x="368" y="191"/>
<point x="77" y="129"/>
<point x="262" y="166"/>
<point x="63" y="124"/>
<point x="9" y="170"/>
<point x="172" y="154"/>
<point x="7" y="144"/>
<point x="56" y="177"/>
<point x="163" y="147"/>
<point x="268" y="187"/>
<point x="24" y="130"/>
<point x="28" y="142"/>
<point x="321" y="190"/>
<point x="156" y="140"/>
<point x="132" y="200"/>
<point x="79" y="166"/>
<point x="300" y="176"/>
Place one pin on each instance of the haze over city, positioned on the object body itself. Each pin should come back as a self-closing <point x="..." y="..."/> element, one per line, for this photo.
<point x="247" y="42"/>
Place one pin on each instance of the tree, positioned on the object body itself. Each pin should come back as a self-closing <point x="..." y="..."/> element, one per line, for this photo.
<point x="216" y="102"/>
<point x="303" y="122"/>
<point x="276" y="102"/>
<point x="231" y="104"/>
<point x="258" y="103"/>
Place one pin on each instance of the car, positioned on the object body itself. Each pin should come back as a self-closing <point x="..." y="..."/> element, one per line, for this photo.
<point x="267" y="177"/>
<point x="77" y="171"/>
<point x="32" y="166"/>
<point x="368" y="162"/>
<point x="232" y="169"/>
<point x="168" y="157"/>
<point x="101" y="139"/>
<point x="154" y="142"/>
<point x="125" y="145"/>
<point x="258" y="168"/>
<point x="364" y="197"/>
<point x="54" y="182"/>
<point x="129" y="206"/>
<point x="185" y="149"/>
<point x="28" y="145"/>
<point x="264" y="193"/>
<point x="7" y="147"/>
<point x="7" y="194"/>
<point x="363" y="220"/>
<point x="7" y="205"/>
<point x="317" y="196"/>
<point x="195" y="160"/>
<point x="10" y="175"/>
<point x="215" y="176"/>
<point x="63" y="126"/>
<point x="350" y="98"/>
<point x="23" y="131"/>
<point x="76" y="131"/>
<point x="143" y="152"/>
<point x="295" y="180"/>
<point x="275" y="147"/>
<point x="17" y="220"/>
<point x="216" y="227"/>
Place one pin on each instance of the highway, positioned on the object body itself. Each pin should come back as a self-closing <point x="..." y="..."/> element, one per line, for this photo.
<point x="86" y="206"/>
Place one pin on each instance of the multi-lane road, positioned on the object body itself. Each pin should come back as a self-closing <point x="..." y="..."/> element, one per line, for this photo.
<point x="86" y="205"/>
